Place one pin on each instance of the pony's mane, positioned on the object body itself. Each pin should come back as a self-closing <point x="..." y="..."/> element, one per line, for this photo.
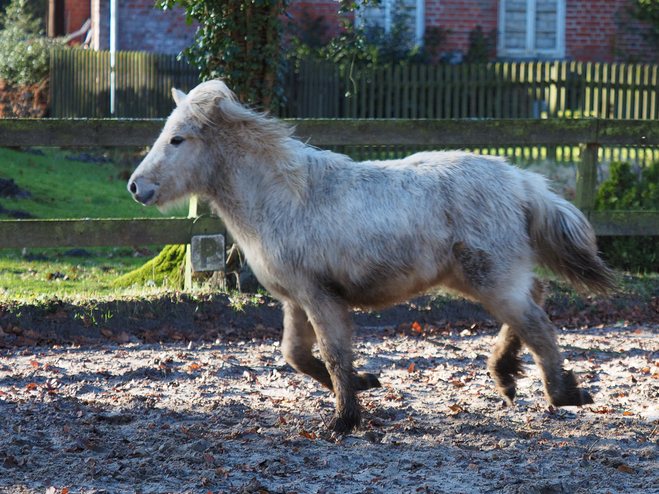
<point x="212" y="104"/>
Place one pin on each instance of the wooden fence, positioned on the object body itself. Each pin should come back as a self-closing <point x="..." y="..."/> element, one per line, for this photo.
<point x="80" y="83"/>
<point x="556" y="89"/>
<point x="589" y="134"/>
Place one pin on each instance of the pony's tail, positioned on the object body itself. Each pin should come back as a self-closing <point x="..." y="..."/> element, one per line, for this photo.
<point x="564" y="241"/>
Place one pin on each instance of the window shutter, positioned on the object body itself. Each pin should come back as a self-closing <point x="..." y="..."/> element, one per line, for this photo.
<point x="545" y="25"/>
<point x="515" y="21"/>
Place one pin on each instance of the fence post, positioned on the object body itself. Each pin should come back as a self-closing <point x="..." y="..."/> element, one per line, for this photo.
<point x="192" y="213"/>
<point x="587" y="177"/>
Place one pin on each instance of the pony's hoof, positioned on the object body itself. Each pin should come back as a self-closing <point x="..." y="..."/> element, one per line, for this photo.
<point x="366" y="381"/>
<point x="509" y="392"/>
<point x="572" y="394"/>
<point x="586" y="399"/>
<point x="344" y="424"/>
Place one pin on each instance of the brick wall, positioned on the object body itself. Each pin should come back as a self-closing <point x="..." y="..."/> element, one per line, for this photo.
<point x="461" y="17"/>
<point x="141" y="27"/>
<point x="329" y="9"/>
<point x="596" y="30"/>
<point x="600" y="30"/>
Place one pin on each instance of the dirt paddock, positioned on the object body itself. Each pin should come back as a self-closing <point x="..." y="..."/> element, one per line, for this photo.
<point x="230" y="415"/>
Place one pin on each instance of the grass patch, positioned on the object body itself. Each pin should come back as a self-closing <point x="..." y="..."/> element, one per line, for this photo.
<point x="69" y="189"/>
<point x="63" y="188"/>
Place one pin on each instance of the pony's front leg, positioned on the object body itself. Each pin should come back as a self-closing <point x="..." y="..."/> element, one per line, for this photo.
<point x="297" y="343"/>
<point x="331" y="323"/>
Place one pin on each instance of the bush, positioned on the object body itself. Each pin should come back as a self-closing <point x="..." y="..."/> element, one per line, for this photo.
<point x="625" y="191"/>
<point x="24" y="50"/>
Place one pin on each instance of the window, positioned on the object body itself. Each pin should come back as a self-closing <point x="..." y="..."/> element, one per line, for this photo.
<point x="387" y="12"/>
<point x="532" y="28"/>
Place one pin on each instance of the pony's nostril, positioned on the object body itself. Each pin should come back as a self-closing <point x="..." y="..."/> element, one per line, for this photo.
<point x="133" y="188"/>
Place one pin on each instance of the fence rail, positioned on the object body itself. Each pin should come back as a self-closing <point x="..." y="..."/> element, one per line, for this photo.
<point x="351" y="132"/>
<point x="589" y="133"/>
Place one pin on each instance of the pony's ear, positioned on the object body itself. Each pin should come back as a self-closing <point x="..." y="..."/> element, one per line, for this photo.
<point x="178" y="96"/>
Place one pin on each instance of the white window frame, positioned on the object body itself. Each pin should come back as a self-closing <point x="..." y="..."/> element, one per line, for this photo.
<point x="419" y="20"/>
<point x="530" y="51"/>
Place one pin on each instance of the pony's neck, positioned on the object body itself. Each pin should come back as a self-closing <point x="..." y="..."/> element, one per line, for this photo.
<point x="252" y="184"/>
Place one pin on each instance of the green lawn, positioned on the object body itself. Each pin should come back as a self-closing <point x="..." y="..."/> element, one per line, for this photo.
<point x="63" y="188"/>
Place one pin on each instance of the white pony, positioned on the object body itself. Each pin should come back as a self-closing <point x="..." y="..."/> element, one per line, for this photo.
<point x="324" y="234"/>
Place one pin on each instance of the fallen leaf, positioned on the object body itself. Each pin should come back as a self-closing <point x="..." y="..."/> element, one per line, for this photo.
<point x="625" y="468"/>
<point x="34" y="363"/>
<point x="411" y="367"/>
<point x="282" y="420"/>
<point x="416" y="327"/>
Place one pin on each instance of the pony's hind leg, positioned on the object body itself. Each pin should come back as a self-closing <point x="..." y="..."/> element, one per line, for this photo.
<point x="504" y="363"/>
<point x="529" y="322"/>
<point x="299" y="338"/>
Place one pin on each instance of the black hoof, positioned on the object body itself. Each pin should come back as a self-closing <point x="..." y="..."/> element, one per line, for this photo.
<point x="510" y="392"/>
<point x="586" y="399"/>
<point x="571" y="394"/>
<point x="366" y="381"/>
<point x="345" y="424"/>
<point x="504" y="371"/>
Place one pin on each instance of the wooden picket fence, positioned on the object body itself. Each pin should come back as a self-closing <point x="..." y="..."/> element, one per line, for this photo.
<point x="80" y="83"/>
<point x="557" y="89"/>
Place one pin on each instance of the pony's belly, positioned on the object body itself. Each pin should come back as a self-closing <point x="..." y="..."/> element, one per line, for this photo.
<point x="393" y="291"/>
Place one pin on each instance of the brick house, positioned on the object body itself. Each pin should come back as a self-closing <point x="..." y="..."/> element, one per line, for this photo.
<point x="587" y="30"/>
<point x="595" y="30"/>
<point x="140" y="25"/>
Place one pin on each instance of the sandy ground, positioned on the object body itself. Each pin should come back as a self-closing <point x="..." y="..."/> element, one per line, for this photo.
<point x="232" y="416"/>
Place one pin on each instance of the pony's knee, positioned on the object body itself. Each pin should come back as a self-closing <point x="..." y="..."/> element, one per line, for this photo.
<point x="295" y="354"/>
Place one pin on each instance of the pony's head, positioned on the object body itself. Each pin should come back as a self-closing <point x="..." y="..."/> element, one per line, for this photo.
<point x="208" y="132"/>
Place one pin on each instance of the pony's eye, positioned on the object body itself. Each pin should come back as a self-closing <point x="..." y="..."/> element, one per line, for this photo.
<point x="176" y="140"/>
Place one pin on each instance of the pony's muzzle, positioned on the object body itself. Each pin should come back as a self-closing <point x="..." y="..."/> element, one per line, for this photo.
<point x="142" y="192"/>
